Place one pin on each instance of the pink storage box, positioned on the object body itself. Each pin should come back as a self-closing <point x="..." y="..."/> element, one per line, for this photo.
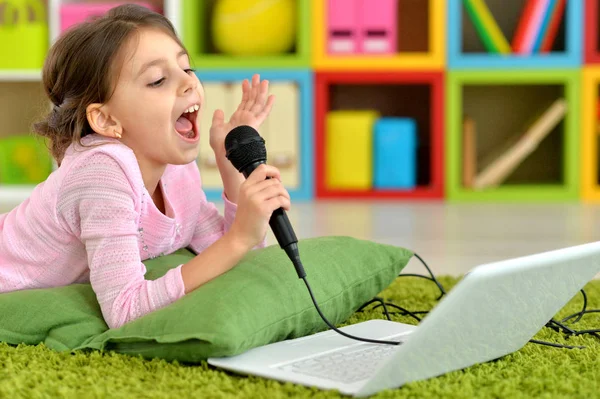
<point x="72" y="14"/>
<point x="342" y="26"/>
<point x="378" y="26"/>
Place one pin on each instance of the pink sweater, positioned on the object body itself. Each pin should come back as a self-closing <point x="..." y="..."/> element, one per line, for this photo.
<point x="93" y="221"/>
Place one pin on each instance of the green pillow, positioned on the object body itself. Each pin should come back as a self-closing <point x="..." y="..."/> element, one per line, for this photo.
<point x="260" y="301"/>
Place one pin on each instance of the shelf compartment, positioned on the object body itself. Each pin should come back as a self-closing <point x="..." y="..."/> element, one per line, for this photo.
<point x="21" y="105"/>
<point x="466" y="50"/>
<point x="196" y="31"/>
<point x="391" y="93"/>
<point x="424" y="49"/>
<point x="293" y="90"/>
<point x="487" y="97"/>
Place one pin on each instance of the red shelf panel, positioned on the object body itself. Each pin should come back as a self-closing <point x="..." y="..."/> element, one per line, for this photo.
<point x="435" y="189"/>
<point x="592" y="55"/>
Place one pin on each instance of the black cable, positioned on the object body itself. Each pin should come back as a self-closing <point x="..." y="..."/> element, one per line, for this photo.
<point x="583" y="310"/>
<point x="553" y="324"/>
<point x="577" y="314"/>
<point x="376" y="299"/>
<point x="373" y="341"/>
<point x="405" y="312"/>
<point x="535" y="341"/>
<point x="381" y="303"/>
<point x="432" y="275"/>
<point x="557" y="326"/>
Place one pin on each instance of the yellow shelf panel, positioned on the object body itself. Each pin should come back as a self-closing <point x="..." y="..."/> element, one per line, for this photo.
<point x="590" y="189"/>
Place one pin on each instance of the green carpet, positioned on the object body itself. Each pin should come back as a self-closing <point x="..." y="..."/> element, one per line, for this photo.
<point x="534" y="371"/>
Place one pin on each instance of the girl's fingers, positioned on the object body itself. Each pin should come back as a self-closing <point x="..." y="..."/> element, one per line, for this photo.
<point x="261" y="98"/>
<point x="262" y="172"/>
<point x="259" y="187"/>
<point x="253" y="92"/>
<point x="277" y="202"/>
<point x="245" y="94"/>
<point x="270" y="192"/>
<point x="266" y="109"/>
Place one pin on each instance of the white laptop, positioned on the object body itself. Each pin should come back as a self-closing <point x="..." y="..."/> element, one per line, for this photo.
<point x="493" y="311"/>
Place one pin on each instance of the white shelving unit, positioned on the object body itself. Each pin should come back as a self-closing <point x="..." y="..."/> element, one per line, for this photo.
<point x="11" y="195"/>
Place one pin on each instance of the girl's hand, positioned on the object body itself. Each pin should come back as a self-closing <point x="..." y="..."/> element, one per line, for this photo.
<point x="252" y="111"/>
<point x="257" y="199"/>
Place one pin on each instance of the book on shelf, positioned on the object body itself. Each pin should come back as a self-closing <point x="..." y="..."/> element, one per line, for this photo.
<point x="538" y="26"/>
<point x="469" y="152"/>
<point x="544" y="23"/>
<point x="500" y="165"/>
<point x="487" y="27"/>
<point x="552" y="30"/>
<point x="523" y="37"/>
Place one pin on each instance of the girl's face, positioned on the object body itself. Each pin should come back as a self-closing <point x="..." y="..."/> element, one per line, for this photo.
<point x="153" y="96"/>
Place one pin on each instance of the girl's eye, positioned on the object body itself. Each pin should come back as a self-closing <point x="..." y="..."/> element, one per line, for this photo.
<point x="157" y="83"/>
<point x="160" y="81"/>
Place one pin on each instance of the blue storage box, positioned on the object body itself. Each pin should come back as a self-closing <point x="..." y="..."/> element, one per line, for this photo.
<point x="395" y="146"/>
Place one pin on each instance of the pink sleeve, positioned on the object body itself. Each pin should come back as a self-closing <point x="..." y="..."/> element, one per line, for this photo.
<point x="211" y="225"/>
<point x="98" y="203"/>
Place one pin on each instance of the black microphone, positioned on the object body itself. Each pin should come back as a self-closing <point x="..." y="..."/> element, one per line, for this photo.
<point x="245" y="148"/>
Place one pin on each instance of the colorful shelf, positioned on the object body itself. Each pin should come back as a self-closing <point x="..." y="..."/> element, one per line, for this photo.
<point x="458" y="22"/>
<point x="449" y="65"/>
<point x="432" y="82"/>
<point x="304" y="81"/>
<point x="567" y="137"/>
<point x="195" y="39"/>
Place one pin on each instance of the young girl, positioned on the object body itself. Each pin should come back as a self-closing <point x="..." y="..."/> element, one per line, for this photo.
<point x="124" y="132"/>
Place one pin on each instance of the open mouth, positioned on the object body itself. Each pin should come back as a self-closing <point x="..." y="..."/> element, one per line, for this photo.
<point x="186" y="124"/>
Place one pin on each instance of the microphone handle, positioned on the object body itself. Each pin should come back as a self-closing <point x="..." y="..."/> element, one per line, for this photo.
<point x="282" y="228"/>
<point x="279" y="221"/>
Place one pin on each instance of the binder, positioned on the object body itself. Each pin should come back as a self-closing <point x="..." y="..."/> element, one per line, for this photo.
<point x="378" y="26"/>
<point x="395" y="153"/>
<point x="342" y="26"/>
<point x="349" y="149"/>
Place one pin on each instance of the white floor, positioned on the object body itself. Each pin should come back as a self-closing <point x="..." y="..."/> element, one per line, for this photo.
<point x="452" y="238"/>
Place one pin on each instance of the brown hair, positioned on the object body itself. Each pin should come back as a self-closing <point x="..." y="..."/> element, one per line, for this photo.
<point x="80" y="68"/>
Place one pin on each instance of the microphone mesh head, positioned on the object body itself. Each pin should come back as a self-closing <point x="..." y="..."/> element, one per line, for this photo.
<point x="244" y="146"/>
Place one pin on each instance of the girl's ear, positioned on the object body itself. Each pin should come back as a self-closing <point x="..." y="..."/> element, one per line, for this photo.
<point x="102" y="123"/>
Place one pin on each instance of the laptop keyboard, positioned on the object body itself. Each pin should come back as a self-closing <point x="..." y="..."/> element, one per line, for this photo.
<point x="347" y="365"/>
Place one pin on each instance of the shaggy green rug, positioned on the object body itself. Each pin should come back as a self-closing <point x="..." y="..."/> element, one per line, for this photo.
<point x="534" y="371"/>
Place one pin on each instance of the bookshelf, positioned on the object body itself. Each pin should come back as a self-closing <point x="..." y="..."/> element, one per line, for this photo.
<point x="417" y="95"/>
<point x="465" y="48"/>
<point x="440" y="61"/>
<point x="422" y="48"/>
<point x="590" y="162"/>
<point x="196" y="26"/>
<point x="551" y="172"/>
<point x="277" y="130"/>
